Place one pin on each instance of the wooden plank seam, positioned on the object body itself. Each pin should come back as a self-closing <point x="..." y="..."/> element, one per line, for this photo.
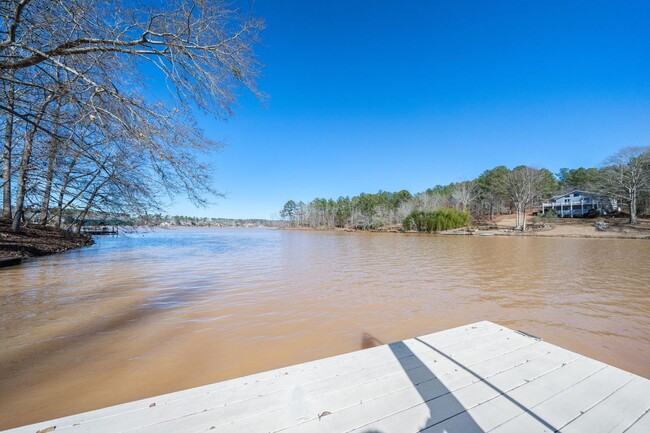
<point x="534" y="415"/>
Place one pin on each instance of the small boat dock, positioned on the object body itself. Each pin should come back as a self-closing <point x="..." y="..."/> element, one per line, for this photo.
<point x="98" y="231"/>
<point x="476" y="378"/>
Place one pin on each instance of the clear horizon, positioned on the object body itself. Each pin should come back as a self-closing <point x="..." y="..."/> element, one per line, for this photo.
<point x="367" y="96"/>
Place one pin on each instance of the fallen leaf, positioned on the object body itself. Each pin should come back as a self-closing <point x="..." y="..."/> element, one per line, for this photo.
<point x="152" y="404"/>
<point x="46" y="430"/>
<point x="320" y="415"/>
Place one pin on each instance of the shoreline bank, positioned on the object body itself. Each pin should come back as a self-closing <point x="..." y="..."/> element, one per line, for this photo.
<point x="613" y="228"/>
<point x="505" y="226"/>
<point x="34" y="241"/>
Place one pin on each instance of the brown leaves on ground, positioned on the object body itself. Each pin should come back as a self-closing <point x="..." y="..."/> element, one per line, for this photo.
<point x="33" y="241"/>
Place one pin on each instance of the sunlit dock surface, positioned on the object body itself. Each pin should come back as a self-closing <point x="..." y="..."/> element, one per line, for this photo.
<point x="476" y="378"/>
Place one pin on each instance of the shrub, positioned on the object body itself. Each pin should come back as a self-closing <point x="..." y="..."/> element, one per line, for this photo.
<point x="436" y="221"/>
<point x="550" y="214"/>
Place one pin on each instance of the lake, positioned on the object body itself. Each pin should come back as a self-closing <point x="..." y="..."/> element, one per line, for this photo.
<point x="155" y="312"/>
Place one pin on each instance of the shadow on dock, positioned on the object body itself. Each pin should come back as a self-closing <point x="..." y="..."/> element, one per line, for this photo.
<point x="432" y="391"/>
<point x="443" y="413"/>
<point x="502" y="393"/>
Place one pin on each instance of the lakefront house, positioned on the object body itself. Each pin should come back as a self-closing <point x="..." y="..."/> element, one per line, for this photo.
<point x="580" y="203"/>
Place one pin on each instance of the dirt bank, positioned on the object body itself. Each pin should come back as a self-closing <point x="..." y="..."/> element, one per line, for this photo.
<point x="37" y="241"/>
<point x="504" y="225"/>
<point x="572" y="227"/>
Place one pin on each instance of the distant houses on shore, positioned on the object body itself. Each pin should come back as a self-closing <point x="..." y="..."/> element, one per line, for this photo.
<point x="579" y="203"/>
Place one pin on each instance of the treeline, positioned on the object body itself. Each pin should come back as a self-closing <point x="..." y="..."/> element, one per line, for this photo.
<point x="624" y="177"/>
<point x="94" y="219"/>
<point x="80" y="132"/>
<point x="364" y="211"/>
<point x="190" y="221"/>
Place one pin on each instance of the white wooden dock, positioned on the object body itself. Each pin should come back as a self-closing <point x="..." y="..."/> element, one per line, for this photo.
<point x="476" y="378"/>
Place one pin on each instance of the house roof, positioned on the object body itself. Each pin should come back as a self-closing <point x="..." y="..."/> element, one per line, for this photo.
<point x="574" y="191"/>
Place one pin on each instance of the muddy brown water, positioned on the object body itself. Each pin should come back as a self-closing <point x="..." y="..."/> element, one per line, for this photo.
<point x="152" y="313"/>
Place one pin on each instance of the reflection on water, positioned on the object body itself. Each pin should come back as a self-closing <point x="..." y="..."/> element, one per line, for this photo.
<point x="158" y="312"/>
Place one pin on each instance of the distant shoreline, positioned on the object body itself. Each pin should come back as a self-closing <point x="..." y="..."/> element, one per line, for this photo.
<point x="504" y="226"/>
<point x="36" y="241"/>
<point x="485" y="233"/>
<point x="576" y="228"/>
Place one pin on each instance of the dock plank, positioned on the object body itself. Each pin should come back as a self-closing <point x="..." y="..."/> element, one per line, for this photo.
<point x="398" y="386"/>
<point x="566" y="406"/>
<point x="642" y="425"/>
<point x="496" y="410"/>
<point x="455" y="379"/>
<point x="508" y="360"/>
<point x="617" y="412"/>
<point x="276" y="391"/>
<point x="400" y="378"/>
<point x="445" y="409"/>
<point x="234" y="389"/>
<point x="476" y="378"/>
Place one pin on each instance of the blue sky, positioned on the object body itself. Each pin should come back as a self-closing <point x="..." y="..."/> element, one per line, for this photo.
<point x="386" y="95"/>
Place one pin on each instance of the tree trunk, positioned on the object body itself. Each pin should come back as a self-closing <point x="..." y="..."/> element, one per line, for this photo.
<point x="22" y="181"/>
<point x="45" y="207"/>
<point x="22" y="187"/>
<point x="633" y="219"/>
<point x="51" y="160"/>
<point x="64" y="186"/>
<point x="6" y="158"/>
<point x="518" y="217"/>
<point x="24" y="167"/>
<point x="60" y="203"/>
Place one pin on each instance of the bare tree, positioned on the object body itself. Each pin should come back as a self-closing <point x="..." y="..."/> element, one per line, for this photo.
<point x="524" y="185"/>
<point x="72" y="74"/>
<point x="7" y="149"/>
<point x="202" y="46"/>
<point x="429" y="201"/>
<point x="25" y="160"/>
<point x="627" y="174"/>
<point x="464" y="193"/>
<point x="404" y="209"/>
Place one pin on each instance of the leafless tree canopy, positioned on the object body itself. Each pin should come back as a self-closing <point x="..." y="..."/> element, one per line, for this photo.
<point x="78" y="118"/>
<point x="525" y="187"/>
<point x="464" y="193"/>
<point x="625" y="176"/>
